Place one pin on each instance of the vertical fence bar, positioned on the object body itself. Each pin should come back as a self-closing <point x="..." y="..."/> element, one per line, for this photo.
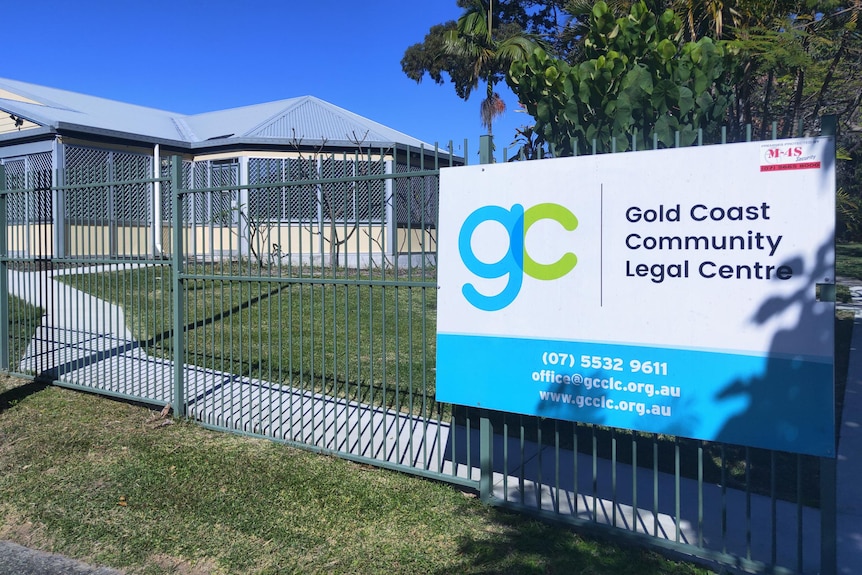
<point x="799" y="512"/>
<point x="539" y="481"/>
<point x="486" y="461"/>
<point x="177" y="285"/>
<point x="634" y="462"/>
<point x="521" y="470"/>
<point x="828" y="516"/>
<point x="723" y="460"/>
<point x="747" y="503"/>
<point x="575" y="487"/>
<point x="773" y="509"/>
<point x="556" y="496"/>
<point x="677" y="506"/>
<point x="613" y="474"/>
<point x="505" y="459"/>
<point x="4" y="276"/>
<point x="700" y="494"/>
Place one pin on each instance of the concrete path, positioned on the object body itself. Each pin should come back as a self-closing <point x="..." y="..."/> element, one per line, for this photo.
<point x="91" y="346"/>
<point x="18" y="560"/>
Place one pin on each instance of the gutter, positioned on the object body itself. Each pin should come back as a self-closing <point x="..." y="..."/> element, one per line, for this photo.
<point x="71" y="129"/>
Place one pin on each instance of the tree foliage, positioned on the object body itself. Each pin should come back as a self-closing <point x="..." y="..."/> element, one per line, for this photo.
<point x="795" y="62"/>
<point x="540" y="19"/>
<point x="479" y="47"/>
<point x="792" y="60"/>
<point x="473" y="38"/>
<point x="432" y="59"/>
<point x="635" y="78"/>
<point x="668" y="67"/>
<point x="793" y="66"/>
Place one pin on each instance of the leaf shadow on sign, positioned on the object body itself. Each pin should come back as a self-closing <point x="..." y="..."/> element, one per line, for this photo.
<point x="791" y="403"/>
<point x="785" y="395"/>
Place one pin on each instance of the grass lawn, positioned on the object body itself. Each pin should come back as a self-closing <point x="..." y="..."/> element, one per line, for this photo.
<point x="370" y="343"/>
<point x="114" y="484"/>
<point x="23" y="321"/>
<point x="848" y="261"/>
<point x="376" y="344"/>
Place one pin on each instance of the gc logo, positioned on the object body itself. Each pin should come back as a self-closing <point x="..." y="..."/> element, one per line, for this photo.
<point x="516" y="260"/>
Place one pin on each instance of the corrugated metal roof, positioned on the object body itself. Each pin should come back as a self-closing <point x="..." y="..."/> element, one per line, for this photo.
<point x="311" y="118"/>
<point x="306" y="118"/>
<point x="58" y="107"/>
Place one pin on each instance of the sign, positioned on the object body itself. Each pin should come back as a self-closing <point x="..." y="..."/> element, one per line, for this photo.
<point x="670" y="291"/>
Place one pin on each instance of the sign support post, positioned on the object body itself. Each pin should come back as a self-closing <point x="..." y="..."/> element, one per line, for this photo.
<point x="828" y="465"/>
<point x="486" y="428"/>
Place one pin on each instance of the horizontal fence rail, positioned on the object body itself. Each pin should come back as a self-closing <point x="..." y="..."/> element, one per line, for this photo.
<point x="294" y="298"/>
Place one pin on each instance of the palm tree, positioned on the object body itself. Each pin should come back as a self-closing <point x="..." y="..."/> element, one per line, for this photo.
<point x="476" y="38"/>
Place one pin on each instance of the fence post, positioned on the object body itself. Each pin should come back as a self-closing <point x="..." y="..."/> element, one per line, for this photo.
<point x="4" y="276"/>
<point x="828" y="465"/>
<point x="486" y="149"/>
<point x="486" y="457"/>
<point x="178" y="294"/>
<point x="828" y="516"/>
<point x="486" y="428"/>
<point x="244" y="214"/>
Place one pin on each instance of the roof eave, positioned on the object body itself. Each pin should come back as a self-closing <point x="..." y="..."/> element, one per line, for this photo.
<point x="28" y="116"/>
<point x="65" y="128"/>
<point x="304" y="144"/>
<point x="39" y="133"/>
<point x="221" y="144"/>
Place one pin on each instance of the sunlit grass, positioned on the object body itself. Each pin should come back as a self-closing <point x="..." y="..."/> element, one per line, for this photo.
<point x="376" y="344"/>
<point x="23" y="321"/>
<point x="848" y="261"/>
<point x="108" y="482"/>
<point x="359" y="338"/>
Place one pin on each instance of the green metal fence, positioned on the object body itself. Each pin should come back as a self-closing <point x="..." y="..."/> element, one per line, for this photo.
<point x="295" y="299"/>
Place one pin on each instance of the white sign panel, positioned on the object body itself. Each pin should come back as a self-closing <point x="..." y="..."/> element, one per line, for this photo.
<point x="668" y="291"/>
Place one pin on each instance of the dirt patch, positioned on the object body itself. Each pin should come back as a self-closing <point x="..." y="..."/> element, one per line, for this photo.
<point x="18" y="530"/>
<point x="183" y="566"/>
<point x="8" y="382"/>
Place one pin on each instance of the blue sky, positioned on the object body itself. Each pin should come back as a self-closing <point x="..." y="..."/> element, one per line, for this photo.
<point x="191" y="56"/>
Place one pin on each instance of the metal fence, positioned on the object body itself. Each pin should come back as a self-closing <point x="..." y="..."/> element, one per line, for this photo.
<point x="300" y="306"/>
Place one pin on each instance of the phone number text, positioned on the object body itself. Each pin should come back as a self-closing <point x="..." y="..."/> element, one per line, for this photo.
<point x="605" y="363"/>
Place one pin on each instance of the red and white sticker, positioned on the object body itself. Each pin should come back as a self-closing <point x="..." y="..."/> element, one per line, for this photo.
<point x="790" y="155"/>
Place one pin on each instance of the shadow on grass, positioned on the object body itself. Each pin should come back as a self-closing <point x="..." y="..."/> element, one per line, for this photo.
<point x="11" y="397"/>
<point x="525" y="546"/>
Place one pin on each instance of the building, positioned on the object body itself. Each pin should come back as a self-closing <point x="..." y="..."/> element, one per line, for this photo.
<point x="86" y="178"/>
